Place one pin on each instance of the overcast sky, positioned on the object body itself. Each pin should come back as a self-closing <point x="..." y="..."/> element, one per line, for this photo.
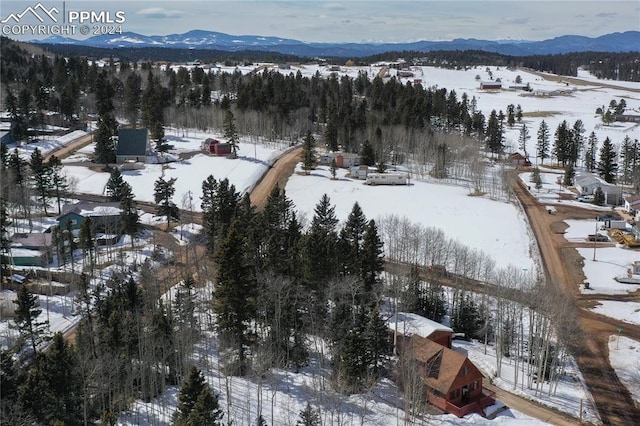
<point x="366" y="21"/>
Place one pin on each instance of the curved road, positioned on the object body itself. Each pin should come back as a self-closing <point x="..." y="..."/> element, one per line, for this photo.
<point x="590" y="349"/>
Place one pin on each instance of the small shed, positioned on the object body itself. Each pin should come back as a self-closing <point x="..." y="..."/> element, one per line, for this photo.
<point x="359" y="172"/>
<point x="133" y="144"/>
<point x="27" y="257"/>
<point x="40" y="242"/>
<point x="215" y="147"/>
<point x="518" y="159"/>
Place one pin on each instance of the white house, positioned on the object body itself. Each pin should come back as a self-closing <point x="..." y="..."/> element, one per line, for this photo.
<point x="632" y="204"/>
<point x="587" y="184"/>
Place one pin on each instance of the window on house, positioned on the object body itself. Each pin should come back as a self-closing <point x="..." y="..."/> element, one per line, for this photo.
<point x="465" y="370"/>
<point x="474" y="385"/>
<point x="455" y="394"/>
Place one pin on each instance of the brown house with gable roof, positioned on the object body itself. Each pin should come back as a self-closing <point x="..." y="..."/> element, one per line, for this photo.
<point x="451" y="381"/>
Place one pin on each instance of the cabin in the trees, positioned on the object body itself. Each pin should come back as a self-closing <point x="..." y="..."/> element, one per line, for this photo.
<point x="133" y="145"/>
<point x="105" y="217"/>
<point x="452" y="382"/>
<point x="215" y="147"/>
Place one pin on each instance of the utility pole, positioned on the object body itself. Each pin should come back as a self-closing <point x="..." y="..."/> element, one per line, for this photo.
<point x="595" y="240"/>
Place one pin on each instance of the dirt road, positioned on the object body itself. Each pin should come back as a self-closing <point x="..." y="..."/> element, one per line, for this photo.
<point x="563" y="268"/>
<point x="277" y="174"/>
<point x="67" y="150"/>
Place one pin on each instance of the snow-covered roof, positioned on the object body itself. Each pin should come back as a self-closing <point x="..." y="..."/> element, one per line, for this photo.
<point x="92" y="209"/>
<point x="410" y="324"/>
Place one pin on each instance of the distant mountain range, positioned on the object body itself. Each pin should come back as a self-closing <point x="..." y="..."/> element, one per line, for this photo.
<point x="628" y="41"/>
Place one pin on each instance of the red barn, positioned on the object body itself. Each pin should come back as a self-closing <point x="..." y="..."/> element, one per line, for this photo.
<point x="214" y="146"/>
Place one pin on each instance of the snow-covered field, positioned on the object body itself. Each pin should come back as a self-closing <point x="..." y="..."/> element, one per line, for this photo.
<point x="495" y="227"/>
<point x="243" y="172"/>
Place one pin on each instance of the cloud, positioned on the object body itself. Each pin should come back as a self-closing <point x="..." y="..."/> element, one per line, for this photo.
<point x="515" y="20"/>
<point x="607" y="15"/>
<point x="160" y="13"/>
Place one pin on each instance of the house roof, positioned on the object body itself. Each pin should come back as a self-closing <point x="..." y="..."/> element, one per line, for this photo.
<point x="634" y="199"/>
<point x="584" y="180"/>
<point x="31" y="240"/>
<point x="92" y="209"/>
<point x="411" y="324"/>
<point x="517" y="156"/>
<point x="132" y="142"/>
<point x="443" y="364"/>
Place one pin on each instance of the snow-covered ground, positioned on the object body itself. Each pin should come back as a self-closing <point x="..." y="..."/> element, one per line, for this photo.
<point x="624" y="356"/>
<point x="495" y="227"/>
<point x="243" y="172"/>
<point x="624" y="311"/>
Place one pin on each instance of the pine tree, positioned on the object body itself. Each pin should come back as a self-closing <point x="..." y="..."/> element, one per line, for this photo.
<point x="466" y="319"/>
<point x="132" y="101"/>
<point x="41" y="176"/>
<point x="569" y="175"/>
<point x="61" y="390"/>
<point x="5" y="243"/>
<point x="367" y="156"/>
<point x="371" y="263"/>
<point x="321" y="244"/>
<point x="537" y="179"/>
<point x="607" y="167"/>
<point x="105" y="149"/>
<point x="378" y="346"/>
<point x="562" y="143"/>
<point x="351" y="236"/>
<point x="114" y="185"/>
<point x="163" y="195"/>
<point x="26" y="319"/>
<point x="9" y="381"/>
<point x="543" y="141"/>
<point x="234" y="298"/>
<point x="85" y="238"/>
<point x="598" y="197"/>
<point x="523" y="139"/>
<point x="197" y="404"/>
<point x="629" y="157"/>
<point x="58" y="179"/>
<point x="333" y="168"/>
<point x="230" y="132"/>
<point x="590" y="152"/>
<point x="495" y="134"/>
<point x="308" y="153"/>
<point x="308" y="417"/>
<point x="576" y="144"/>
<point x="130" y="220"/>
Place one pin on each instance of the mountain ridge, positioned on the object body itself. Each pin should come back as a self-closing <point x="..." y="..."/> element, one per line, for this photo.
<point x="627" y="41"/>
